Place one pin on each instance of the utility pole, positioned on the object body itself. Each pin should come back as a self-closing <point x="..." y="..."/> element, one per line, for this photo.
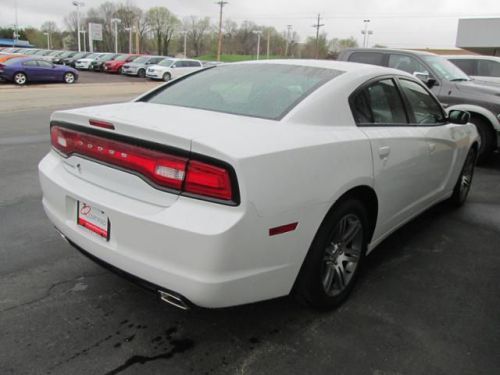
<point x="268" y="43"/>
<point x="221" y="4"/>
<point x="317" y="26"/>
<point x="365" y="33"/>
<point x="259" y="33"/>
<point x="288" y="31"/>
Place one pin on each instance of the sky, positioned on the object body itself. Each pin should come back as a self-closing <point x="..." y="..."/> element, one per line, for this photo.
<point x="402" y="24"/>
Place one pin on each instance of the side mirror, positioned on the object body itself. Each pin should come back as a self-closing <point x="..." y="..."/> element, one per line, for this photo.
<point x="459" y="117"/>
<point x="426" y="78"/>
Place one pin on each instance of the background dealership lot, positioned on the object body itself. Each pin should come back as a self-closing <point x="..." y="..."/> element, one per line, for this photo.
<point x="428" y="301"/>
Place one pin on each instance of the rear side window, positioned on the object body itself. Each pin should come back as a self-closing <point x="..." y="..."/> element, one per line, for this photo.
<point x="258" y="90"/>
<point x="424" y="109"/>
<point x="30" y="63"/>
<point x="379" y="103"/>
<point x="469" y="66"/>
<point x="488" y="68"/>
<point x="373" y="58"/>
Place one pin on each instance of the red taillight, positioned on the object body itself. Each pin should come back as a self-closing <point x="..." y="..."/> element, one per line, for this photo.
<point x="174" y="172"/>
<point x="208" y="180"/>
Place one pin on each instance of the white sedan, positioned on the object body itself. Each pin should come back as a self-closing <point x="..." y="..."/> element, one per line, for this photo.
<point x="255" y="180"/>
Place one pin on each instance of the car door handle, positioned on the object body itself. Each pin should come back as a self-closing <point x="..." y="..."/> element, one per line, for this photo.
<point x="432" y="147"/>
<point x="384" y="152"/>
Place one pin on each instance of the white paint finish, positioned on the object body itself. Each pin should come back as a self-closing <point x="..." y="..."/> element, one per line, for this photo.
<point x="288" y="171"/>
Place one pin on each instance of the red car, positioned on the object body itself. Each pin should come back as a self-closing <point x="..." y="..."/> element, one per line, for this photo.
<point x="115" y="66"/>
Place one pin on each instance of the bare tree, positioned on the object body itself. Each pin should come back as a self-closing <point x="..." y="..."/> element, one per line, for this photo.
<point x="162" y="23"/>
<point x="197" y="29"/>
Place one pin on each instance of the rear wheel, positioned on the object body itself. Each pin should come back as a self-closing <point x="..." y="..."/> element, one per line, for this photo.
<point x="487" y="136"/>
<point x="69" y="78"/>
<point x="463" y="185"/>
<point x="141" y="73"/>
<point x="167" y="77"/>
<point x="20" y="78"/>
<point x="332" y="265"/>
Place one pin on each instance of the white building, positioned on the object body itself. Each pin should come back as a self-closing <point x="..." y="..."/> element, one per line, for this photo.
<point x="480" y="35"/>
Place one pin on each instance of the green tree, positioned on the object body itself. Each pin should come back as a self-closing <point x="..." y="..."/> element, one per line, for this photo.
<point x="163" y="25"/>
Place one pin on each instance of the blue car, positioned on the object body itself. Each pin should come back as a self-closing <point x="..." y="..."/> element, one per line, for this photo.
<point x="29" y="69"/>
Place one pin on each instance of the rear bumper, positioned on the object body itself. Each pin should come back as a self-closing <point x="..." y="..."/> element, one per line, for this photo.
<point x="213" y="255"/>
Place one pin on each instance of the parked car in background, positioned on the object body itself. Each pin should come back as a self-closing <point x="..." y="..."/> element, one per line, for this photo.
<point x="51" y="55"/>
<point x="29" y="69"/>
<point x="138" y="66"/>
<point x="70" y="61"/>
<point x="98" y="64"/>
<point x="116" y="65"/>
<point x="481" y="68"/>
<point x="452" y="86"/>
<point x="171" y="68"/>
<point x="59" y="59"/>
<point x="281" y="177"/>
<point x="84" y="63"/>
<point x="10" y="56"/>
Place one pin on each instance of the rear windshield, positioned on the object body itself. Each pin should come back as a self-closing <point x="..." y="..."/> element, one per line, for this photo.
<point x="121" y="58"/>
<point x="258" y="90"/>
<point x="142" y="59"/>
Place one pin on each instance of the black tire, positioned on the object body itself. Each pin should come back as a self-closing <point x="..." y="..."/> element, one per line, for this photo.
<point x="120" y="71"/>
<point x="20" y="78"/>
<point x="311" y="285"/>
<point x="167" y="77"/>
<point x="488" y="138"/>
<point x="463" y="185"/>
<point x="141" y="73"/>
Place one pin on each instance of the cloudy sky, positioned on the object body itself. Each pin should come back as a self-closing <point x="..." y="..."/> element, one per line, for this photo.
<point x="405" y="23"/>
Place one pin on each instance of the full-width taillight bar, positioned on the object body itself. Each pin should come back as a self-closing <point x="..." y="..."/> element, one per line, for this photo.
<point x="197" y="178"/>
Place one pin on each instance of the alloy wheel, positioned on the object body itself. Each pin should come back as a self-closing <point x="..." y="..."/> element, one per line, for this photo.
<point x="20" y="78"/>
<point x="342" y="255"/>
<point x="69" y="78"/>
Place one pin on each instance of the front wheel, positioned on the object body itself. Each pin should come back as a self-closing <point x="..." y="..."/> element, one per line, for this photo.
<point x="20" y="79"/>
<point x="69" y="78"/>
<point x="487" y="136"/>
<point x="332" y="265"/>
<point x="167" y="77"/>
<point x="141" y="73"/>
<point x="463" y="185"/>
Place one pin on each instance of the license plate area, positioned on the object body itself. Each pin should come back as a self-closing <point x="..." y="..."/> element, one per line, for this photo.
<point x="93" y="219"/>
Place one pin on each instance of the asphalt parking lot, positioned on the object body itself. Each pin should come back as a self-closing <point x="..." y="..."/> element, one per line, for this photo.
<point x="428" y="301"/>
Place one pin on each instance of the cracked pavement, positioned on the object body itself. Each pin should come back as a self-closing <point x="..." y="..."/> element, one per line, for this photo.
<point x="428" y="301"/>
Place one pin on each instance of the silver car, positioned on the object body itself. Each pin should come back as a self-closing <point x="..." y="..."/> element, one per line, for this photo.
<point x="138" y="66"/>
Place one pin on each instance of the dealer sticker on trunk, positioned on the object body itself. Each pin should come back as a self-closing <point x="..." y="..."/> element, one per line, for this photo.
<point x="93" y="219"/>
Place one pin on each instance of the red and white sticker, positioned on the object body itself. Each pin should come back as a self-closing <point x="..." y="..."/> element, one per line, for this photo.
<point x="93" y="219"/>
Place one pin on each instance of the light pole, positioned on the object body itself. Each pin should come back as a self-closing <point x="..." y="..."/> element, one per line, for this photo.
<point x="365" y="33"/>
<point x="48" y="39"/>
<point x="185" y="43"/>
<point x="15" y="34"/>
<point x="259" y="33"/>
<point x="116" y="21"/>
<point x="84" y="32"/>
<point x="129" y="29"/>
<point x="78" y="5"/>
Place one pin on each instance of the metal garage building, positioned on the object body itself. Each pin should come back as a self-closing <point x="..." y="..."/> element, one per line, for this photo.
<point x="480" y="35"/>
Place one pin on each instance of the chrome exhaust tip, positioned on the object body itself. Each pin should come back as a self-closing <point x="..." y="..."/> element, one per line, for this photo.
<point x="173" y="300"/>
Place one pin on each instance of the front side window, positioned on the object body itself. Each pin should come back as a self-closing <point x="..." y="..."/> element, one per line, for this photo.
<point x="469" y="66"/>
<point x="424" y="109"/>
<point x="258" y="90"/>
<point x="379" y="104"/>
<point x="407" y="64"/>
<point x="44" y="64"/>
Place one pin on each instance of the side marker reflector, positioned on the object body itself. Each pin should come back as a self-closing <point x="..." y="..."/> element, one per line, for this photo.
<point x="282" y="229"/>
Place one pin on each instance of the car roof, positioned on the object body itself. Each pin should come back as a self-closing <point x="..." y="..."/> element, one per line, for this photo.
<point x="470" y="57"/>
<point x="344" y="66"/>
